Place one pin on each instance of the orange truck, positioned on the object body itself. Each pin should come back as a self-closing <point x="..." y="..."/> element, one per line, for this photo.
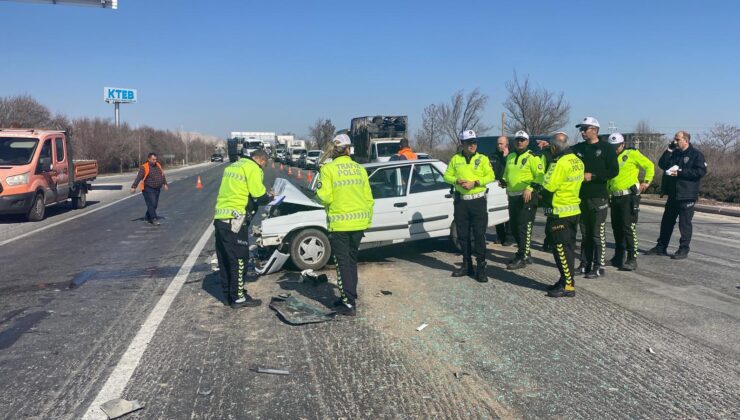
<point x="37" y="169"/>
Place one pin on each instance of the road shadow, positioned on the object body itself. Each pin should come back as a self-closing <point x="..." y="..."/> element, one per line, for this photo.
<point x="511" y="277"/>
<point x="212" y="285"/>
<point x="323" y="293"/>
<point x="412" y="252"/>
<point x="51" y="211"/>
<point x="112" y="187"/>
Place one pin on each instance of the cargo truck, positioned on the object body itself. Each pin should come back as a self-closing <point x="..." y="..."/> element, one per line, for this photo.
<point x="376" y="139"/>
<point x="37" y="169"/>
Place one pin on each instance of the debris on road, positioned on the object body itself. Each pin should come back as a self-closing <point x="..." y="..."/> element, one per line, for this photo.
<point x="271" y="371"/>
<point x="421" y="327"/>
<point x="205" y="391"/>
<point x="386" y="292"/>
<point x="119" y="407"/>
<point x="650" y="350"/>
<point x="310" y="275"/>
<point x="459" y="375"/>
<point x="296" y="312"/>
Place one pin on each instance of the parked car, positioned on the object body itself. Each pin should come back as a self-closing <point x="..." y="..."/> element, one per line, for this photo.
<point x="37" y="169"/>
<point x="412" y="202"/>
<point x="217" y="157"/>
<point x="301" y="161"/>
<point x="294" y="155"/>
<point x="312" y="159"/>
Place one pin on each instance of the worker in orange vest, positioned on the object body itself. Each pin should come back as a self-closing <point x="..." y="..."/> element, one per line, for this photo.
<point x="404" y="151"/>
<point x="152" y="180"/>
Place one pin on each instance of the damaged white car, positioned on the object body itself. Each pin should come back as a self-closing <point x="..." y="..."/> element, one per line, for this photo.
<point x="412" y="202"/>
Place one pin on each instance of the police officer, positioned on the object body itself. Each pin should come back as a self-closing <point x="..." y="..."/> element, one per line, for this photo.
<point x="469" y="172"/>
<point x="522" y="169"/>
<point x="344" y="189"/>
<point x="546" y="157"/>
<point x="600" y="163"/>
<point x="684" y="167"/>
<point x="624" y="201"/>
<point x="498" y="162"/>
<point x="560" y="196"/>
<point x="242" y="191"/>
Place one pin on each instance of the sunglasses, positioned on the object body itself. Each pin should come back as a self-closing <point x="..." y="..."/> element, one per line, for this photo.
<point x="522" y="139"/>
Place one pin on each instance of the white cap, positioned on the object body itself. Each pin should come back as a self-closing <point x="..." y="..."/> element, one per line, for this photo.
<point x="342" y="140"/>
<point x="521" y="134"/>
<point x="589" y="121"/>
<point x="616" y="138"/>
<point x="467" y="135"/>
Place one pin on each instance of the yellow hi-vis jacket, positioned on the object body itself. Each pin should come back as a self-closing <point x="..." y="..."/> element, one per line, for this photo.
<point x="563" y="179"/>
<point x="630" y="162"/>
<point x="241" y="180"/>
<point x="477" y="168"/>
<point x="522" y="170"/>
<point x="344" y="189"/>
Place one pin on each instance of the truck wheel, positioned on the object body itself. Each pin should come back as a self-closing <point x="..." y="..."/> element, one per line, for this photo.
<point x="310" y="249"/>
<point x="38" y="209"/>
<point x="80" y="202"/>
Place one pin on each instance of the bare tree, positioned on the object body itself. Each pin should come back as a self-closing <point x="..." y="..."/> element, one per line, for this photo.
<point x="463" y="113"/>
<point x="322" y="131"/>
<point x="535" y="110"/>
<point x="429" y="134"/>
<point x="724" y="137"/>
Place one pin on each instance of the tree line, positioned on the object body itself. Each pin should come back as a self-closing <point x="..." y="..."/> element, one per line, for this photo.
<point x="117" y="149"/>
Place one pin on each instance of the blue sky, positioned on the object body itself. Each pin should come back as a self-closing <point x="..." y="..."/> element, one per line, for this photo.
<point x="218" y="66"/>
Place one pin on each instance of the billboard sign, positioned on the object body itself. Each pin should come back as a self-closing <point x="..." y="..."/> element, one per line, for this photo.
<point x="119" y="95"/>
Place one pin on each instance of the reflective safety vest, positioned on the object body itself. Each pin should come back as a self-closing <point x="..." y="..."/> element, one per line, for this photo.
<point x="563" y="179"/>
<point x="344" y="189"/>
<point x="407" y="153"/>
<point x="241" y="180"/>
<point x="477" y="168"/>
<point x="522" y="170"/>
<point x="145" y="167"/>
<point x="630" y="162"/>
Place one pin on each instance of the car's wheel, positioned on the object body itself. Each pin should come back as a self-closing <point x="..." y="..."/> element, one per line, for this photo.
<point x="454" y="239"/>
<point x="310" y="248"/>
<point x="38" y="209"/>
<point x="80" y="202"/>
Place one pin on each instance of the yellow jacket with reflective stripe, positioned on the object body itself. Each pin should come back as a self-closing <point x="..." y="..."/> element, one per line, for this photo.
<point x="564" y="178"/>
<point x="521" y="170"/>
<point x="630" y="161"/>
<point x="477" y="168"/>
<point x="241" y="179"/>
<point x="344" y="189"/>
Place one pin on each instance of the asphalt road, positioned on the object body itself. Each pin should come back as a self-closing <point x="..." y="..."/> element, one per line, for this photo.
<point x="662" y="342"/>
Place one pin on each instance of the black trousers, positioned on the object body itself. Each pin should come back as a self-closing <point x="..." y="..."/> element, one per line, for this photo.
<point x="502" y="229"/>
<point x="563" y="233"/>
<point x="472" y="216"/>
<point x="346" y="246"/>
<point x="593" y="220"/>
<point x="521" y="217"/>
<point x="684" y="211"/>
<point x="232" y="251"/>
<point x="624" y="210"/>
<point x="151" y="197"/>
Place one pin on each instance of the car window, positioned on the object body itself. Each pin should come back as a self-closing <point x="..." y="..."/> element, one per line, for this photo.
<point x="45" y="150"/>
<point x="427" y="178"/>
<point x="389" y="182"/>
<point x="59" y="146"/>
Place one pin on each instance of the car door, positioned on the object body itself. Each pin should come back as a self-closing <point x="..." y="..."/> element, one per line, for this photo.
<point x="390" y="213"/>
<point x="430" y="201"/>
<point x="60" y="171"/>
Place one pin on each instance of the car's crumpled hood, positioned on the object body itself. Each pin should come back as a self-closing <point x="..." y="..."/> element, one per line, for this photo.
<point x="292" y="194"/>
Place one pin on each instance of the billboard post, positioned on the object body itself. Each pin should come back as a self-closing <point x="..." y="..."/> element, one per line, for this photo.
<point x="118" y="96"/>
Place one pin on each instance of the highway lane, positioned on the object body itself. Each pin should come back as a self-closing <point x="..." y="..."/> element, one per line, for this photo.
<point x="58" y="341"/>
<point x="495" y="350"/>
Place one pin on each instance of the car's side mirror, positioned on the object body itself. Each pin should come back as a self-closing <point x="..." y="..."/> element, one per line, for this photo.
<point x="44" y="164"/>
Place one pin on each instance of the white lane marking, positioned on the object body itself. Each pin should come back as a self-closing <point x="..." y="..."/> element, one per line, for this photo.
<point x="123" y="371"/>
<point x="41" y="229"/>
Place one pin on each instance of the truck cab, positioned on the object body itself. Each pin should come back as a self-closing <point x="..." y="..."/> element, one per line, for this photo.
<point x="377" y="138"/>
<point x="36" y="170"/>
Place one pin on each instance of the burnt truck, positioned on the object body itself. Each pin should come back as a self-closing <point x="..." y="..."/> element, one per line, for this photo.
<point x="376" y="139"/>
<point x="233" y="147"/>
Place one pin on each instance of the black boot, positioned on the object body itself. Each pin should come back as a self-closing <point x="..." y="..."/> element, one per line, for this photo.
<point x="681" y="254"/>
<point x="582" y="269"/>
<point x="657" y="250"/>
<point x="516" y="264"/>
<point x="480" y="271"/>
<point x="466" y="269"/>
<point x="618" y="259"/>
<point x="630" y="264"/>
<point x="562" y="291"/>
<point x="597" y="272"/>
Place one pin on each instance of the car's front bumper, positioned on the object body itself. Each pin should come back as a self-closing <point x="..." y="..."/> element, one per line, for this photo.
<point x="16" y="203"/>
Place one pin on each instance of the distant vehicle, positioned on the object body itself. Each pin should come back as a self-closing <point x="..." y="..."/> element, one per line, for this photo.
<point x="312" y="159"/>
<point x="301" y="162"/>
<point x="249" y="146"/>
<point x="294" y="154"/>
<point x="233" y="146"/>
<point x="281" y="155"/>
<point x="422" y="155"/>
<point x="37" y="169"/>
<point x="217" y="157"/>
<point x="412" y="202"/>
<point x="376" y="139"/>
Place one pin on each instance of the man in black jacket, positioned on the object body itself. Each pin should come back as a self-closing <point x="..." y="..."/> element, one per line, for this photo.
<point x="684" y="167"/>
<point x="498" y="162"/>
<point x="600" y="161"/>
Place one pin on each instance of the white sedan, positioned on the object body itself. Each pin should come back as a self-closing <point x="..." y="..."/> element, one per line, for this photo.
<point x="412" y="202"/>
